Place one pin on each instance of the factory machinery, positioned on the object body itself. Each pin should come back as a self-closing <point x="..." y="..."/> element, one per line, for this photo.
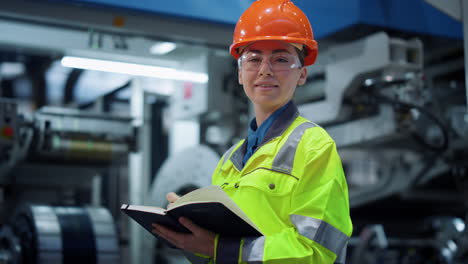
<point x="400" y="123"/>
<point x="398" y="117"/>
<point x="50" y="188"/>
<point x="396" y="107"/>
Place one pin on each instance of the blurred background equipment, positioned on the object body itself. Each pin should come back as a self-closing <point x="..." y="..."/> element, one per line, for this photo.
<point x="400" y="147"/>
<point x="46" y="234"/>
<point x="53" y="157"/>
<point x="157" y="102"/>
<point x="67" y="135"/>
<point x="182" y="172"/>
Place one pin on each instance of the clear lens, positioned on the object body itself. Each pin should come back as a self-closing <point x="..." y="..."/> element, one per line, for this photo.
<point x="277" y="62"/>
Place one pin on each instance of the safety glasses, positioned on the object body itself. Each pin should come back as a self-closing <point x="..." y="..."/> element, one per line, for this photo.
<point x="251" y="61"/>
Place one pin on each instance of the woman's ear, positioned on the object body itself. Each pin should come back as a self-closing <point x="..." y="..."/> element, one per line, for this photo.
<point x="303" y="76"/>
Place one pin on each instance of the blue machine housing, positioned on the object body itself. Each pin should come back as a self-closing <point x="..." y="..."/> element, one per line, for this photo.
<point x="326" y="16"/>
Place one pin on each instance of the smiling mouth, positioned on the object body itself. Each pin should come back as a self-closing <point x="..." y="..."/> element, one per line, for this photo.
<point x="266" y="86"/>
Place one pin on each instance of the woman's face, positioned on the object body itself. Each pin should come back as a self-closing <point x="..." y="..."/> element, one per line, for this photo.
<point x="270" y="71"/>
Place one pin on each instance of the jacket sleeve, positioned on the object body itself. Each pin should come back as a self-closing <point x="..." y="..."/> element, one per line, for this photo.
<point x="195" y="258"/>
<point x="319" y="221"/>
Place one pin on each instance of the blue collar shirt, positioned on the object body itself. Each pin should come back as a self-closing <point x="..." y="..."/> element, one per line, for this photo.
<point x="256" y="135"/>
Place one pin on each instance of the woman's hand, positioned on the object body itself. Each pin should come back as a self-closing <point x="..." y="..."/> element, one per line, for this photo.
<point x="171" y="197"/>
<point x="199" y="241"/>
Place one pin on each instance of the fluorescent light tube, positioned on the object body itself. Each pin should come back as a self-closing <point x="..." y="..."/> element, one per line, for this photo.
<point x="133" y="69"/>
<point x="162" y="48"/>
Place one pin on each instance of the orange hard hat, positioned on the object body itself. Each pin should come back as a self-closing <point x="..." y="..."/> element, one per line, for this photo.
<point x="274" y="20"/>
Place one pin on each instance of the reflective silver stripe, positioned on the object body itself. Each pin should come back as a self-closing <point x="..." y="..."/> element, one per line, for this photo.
<point x="252" y="251"/>
<point x="341" y="258"/>
<point x="285" y="158"/>
<point x="322" y="233"/>
<point x="237" y="157"/>
<point x="194" y="259"/>
<point x="228" y="153"/>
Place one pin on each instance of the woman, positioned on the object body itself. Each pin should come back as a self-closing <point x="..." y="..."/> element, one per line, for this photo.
<point x="286" y="175"/>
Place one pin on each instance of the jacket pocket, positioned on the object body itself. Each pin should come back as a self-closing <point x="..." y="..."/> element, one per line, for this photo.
<point x="270" y="182"/>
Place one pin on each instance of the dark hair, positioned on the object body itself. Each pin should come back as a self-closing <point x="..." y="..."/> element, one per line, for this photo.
<point x="301" y="54"/>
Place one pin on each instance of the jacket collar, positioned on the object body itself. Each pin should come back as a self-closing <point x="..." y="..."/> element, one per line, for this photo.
<point x="276" y="129"/>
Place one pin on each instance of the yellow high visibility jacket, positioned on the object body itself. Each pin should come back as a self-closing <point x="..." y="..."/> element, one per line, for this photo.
<point x="293" y="188"/>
